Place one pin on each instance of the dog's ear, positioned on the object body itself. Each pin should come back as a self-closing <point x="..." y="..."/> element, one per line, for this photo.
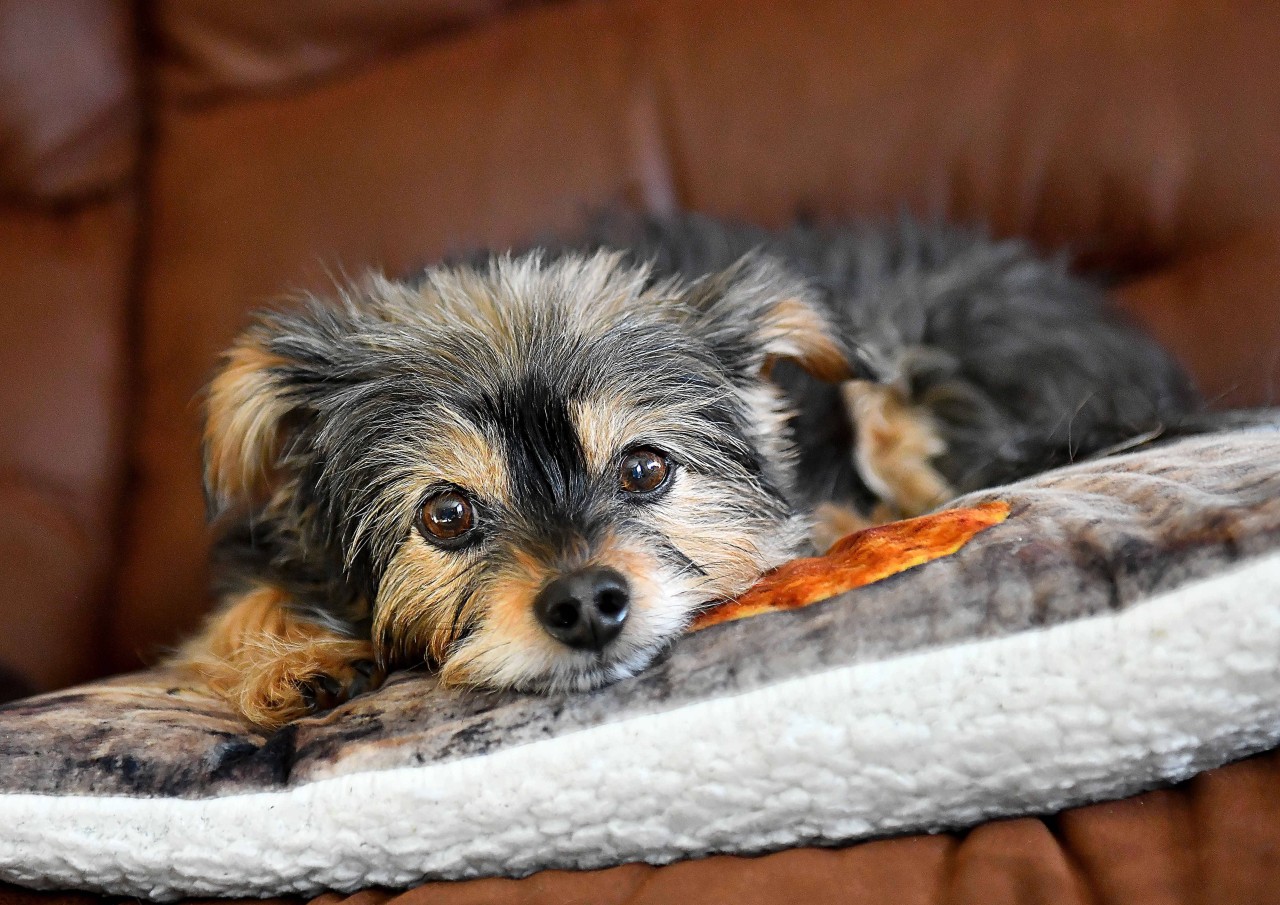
<point x="756" y="312"/>
<point x="247" y="413"/>
<point x="262" y="407"/>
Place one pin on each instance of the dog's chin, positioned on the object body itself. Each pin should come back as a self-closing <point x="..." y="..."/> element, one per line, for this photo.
<point x="580" y="671"/>
<point x="555" y="670"/>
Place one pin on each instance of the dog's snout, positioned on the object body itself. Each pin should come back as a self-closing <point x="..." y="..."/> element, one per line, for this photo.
<point x="584" y="609"/>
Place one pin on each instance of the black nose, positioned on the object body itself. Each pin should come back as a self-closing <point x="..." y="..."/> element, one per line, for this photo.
<point x="584" y="609"/>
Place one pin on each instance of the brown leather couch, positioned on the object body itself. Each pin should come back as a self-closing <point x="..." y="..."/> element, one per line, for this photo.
<point x="165" y="166"/>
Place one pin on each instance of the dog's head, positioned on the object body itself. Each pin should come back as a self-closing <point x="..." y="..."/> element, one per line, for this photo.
<point x="535" y="473"/>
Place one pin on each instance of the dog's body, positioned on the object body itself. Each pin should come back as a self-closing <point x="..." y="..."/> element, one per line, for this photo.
<point x="533" y="472"/>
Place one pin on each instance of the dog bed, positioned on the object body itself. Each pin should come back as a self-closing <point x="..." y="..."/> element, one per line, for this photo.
<point x="1119" y="628"/>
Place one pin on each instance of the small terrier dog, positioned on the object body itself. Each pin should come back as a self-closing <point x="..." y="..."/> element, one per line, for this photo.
<point x="531" y="472"/>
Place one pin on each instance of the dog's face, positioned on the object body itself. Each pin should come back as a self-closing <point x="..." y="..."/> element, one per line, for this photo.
<point x="535" y="473"/>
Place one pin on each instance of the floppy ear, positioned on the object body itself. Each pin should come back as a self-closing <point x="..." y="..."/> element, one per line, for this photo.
<point x="246" y="411"/>
<point x="756" y="312"/>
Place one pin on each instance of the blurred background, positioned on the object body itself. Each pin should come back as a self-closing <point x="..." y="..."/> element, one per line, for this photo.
<point x="167" y="166"/>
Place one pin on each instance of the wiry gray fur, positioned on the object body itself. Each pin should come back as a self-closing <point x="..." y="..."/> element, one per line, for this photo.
<point x="1018" y="362"/>
<point x="1023" y="365"/>
<point x="374" y="392"/>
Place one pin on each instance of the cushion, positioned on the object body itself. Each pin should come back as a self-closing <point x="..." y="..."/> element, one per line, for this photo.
<point x="65" y="278"/>
<point x="1120" y="629"/>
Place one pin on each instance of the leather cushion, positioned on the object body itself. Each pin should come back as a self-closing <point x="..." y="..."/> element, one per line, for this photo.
<point x="210" y="49"/>
<point x="64" y="278"/>
<point x="69" y="106"/>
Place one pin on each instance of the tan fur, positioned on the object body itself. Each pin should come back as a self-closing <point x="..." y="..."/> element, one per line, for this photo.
<point x="242" y="426"/>
<point x="895" y="443"/>
<point x="832" y="521"/>
<point x="415" y="613"/>
<point x="795" y="330"/>
<point x="603" y="428"/>
<point x="470" y="459"/>
<point x="260" y="656"/>
<point x="696" y="523"/>
<point x="508" y="620"/>
<point x="608" y="426"/>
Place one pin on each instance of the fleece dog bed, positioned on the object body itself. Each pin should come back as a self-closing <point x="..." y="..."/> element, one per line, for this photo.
<point x="1119" y="629"/>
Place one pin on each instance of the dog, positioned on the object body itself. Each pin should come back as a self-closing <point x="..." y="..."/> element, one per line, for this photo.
<point x="531" y="471"/>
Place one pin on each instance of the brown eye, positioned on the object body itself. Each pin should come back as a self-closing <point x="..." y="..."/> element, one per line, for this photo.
<point x="447" y="518"/>
<point x="643" y="471"/>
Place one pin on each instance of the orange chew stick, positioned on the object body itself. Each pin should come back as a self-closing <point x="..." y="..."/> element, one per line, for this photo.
<point x="857" y="560"/>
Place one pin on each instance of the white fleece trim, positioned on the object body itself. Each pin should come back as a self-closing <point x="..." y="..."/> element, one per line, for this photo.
<point x="1094" y="709"/>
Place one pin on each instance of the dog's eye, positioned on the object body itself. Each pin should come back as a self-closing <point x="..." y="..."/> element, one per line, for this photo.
<point x="447" y="517"/>
<point x="643" y="471"/>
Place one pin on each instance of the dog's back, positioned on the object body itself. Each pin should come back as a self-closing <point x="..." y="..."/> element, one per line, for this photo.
<point x="1015" y="364"/>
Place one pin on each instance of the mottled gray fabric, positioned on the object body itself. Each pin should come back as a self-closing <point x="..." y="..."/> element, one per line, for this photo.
<point x="1083" y="540"/>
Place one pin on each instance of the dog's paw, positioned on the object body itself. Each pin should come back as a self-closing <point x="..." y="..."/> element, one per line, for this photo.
<point x="275" y="681"/>
<point x="306" y="678"/>
<point x="340" y="683"/>
<point x="273" y="665"/>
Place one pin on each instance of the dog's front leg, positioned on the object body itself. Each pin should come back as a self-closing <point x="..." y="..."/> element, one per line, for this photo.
<point x="273" y="664"/>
